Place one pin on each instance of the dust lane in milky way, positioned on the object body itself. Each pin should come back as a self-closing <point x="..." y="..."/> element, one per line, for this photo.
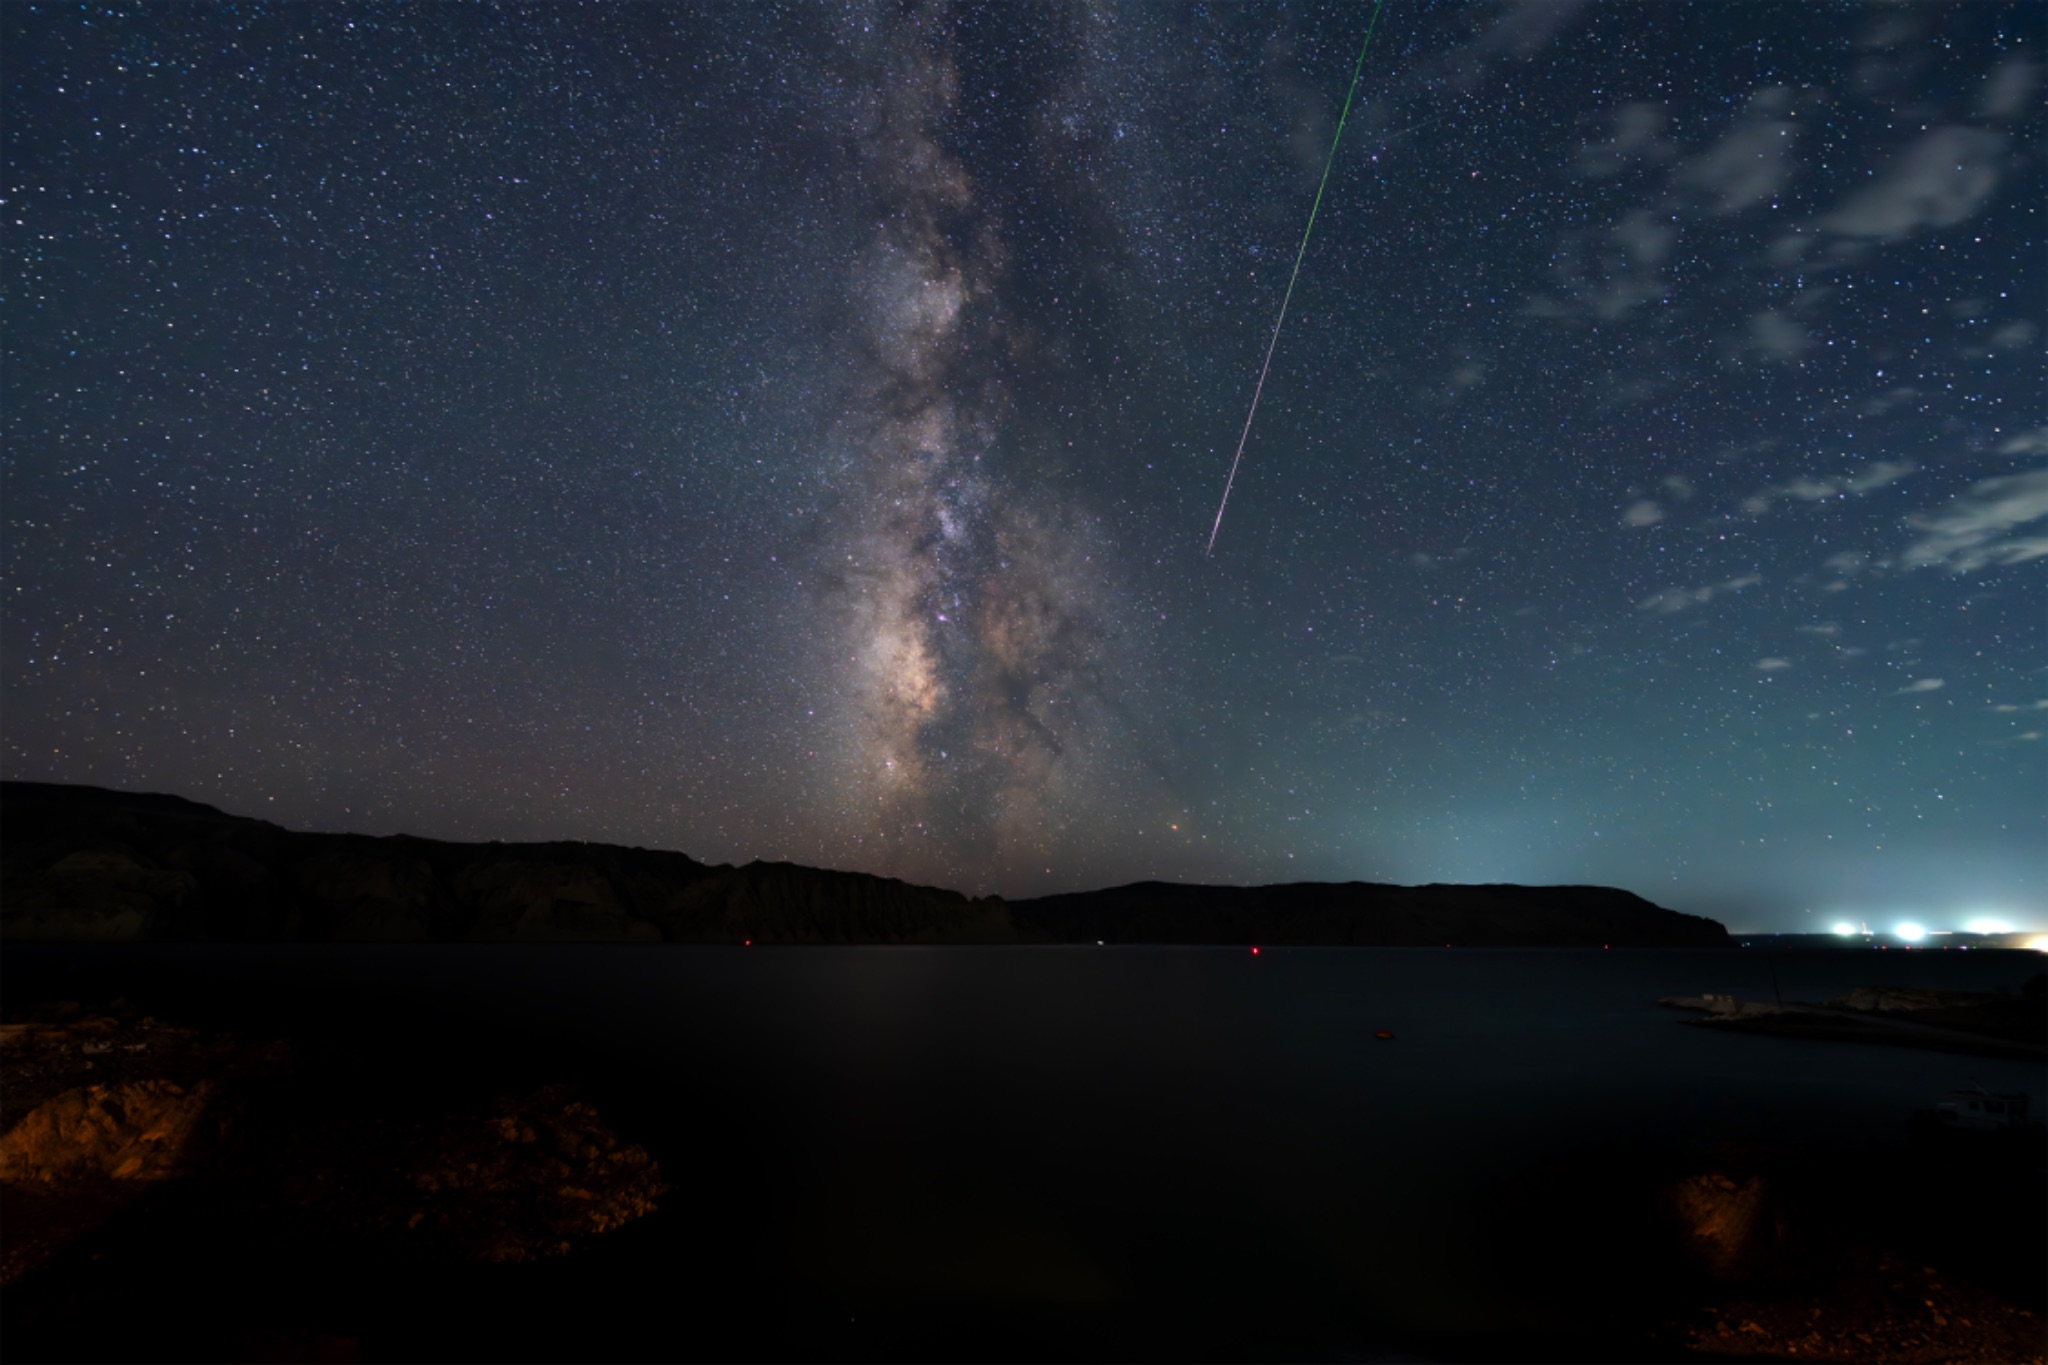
<point x="967" y="605"/>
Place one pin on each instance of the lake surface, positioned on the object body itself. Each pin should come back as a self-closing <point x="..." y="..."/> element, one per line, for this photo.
<point x="1182" y="1150"/>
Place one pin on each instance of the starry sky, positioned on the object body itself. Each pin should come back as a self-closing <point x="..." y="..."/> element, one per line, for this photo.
<point x="792" y="431"/>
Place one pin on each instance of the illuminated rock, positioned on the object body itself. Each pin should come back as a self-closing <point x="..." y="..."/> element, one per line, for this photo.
<point x="135" y="1131"/>
<point x="537" y="1177"/>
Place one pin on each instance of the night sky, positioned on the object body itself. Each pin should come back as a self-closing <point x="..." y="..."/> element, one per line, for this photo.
<point x="793" y="431"/>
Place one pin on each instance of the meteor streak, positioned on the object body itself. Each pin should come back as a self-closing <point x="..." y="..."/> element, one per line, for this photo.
<point x="1288" y="297"/>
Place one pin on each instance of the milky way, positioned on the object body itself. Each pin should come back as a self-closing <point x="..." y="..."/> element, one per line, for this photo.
<point x="964" y="601"/>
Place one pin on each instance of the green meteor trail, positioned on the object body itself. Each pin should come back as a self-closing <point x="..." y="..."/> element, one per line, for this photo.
<point x="1288" y="297"/>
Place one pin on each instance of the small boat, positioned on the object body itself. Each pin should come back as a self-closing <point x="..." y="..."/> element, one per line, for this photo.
<point x="1981" y="1108"/>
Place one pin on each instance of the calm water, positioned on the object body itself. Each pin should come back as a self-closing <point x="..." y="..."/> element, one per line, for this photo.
<point x="1060" y="1136"/>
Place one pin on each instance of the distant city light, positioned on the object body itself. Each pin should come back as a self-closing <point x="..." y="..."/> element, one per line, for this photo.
<point x="1845" y="929"/>
<point x="1989" y="926"/>
<point x="1911" y="932"/>
<point x="2039" y="943"/>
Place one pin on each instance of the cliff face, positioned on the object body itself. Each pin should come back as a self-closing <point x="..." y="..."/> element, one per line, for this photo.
<point x="1365" y="913"/>
<point x="79" y="863"/>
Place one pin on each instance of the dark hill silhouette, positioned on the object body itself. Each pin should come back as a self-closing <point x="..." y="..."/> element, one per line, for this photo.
<point x="1365" y="913"/>
<point x="81" y="863"/>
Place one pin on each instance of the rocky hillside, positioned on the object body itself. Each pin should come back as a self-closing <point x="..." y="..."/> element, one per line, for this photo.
<point x="81" y="863"/>
<point x="86" y="863"/>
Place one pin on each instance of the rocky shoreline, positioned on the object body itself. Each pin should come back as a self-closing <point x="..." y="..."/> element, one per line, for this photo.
<point x="111" y="1119"/>
<point x="1983" y="1024"/>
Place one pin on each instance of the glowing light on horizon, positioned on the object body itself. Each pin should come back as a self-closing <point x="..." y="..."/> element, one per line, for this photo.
<point x="1989" y="926"/>
<point x="1911" y="932"/>
<point x="2039" y="943"/>
<point x="1845" y="929"/>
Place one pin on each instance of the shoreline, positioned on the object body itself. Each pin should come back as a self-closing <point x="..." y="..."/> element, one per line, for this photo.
<point x="2005" y="1026"/>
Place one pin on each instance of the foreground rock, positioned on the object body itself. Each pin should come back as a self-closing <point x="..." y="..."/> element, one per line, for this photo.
<point x="82" y="863"/>
<point x="2004" y="1024"/>
<point x="1893" y="1313"/>
<point x="1756" y="1251"/>
<point x="536" y="1178"/>
<point x="97" y="1108"/>
<point x="136" y="1131"/>
<point x="101" y="1110"/>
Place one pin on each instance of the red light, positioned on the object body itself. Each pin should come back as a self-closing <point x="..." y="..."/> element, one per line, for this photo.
<point x="746" y="943"/>
<point x="1255" y="952"/>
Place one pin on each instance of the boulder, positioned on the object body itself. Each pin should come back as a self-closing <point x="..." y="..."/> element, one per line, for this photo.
<point x="1733" y="1229"/>
<point x="135" y="1131"/>
<point x="535" y="1178"/>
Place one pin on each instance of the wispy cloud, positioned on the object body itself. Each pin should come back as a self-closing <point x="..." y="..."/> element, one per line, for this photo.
<point x="1865" y="480"/>
<point x="1751" y="161"/>
<point x="1983" y="526"/>
<point x="1423" y="560"/>
<point x="2007" y="708"/>
<point x="1897" y="397"/>
<point x="1772" y="665"/>
<point x="1648" y="511"/>
<point x="1637" y="137"/>
<point x="1847" y="561"/>
<point x="1606" y="272"/>
<point x="1777" y="336"/>
<point x="1518" y="34"/>
<point x="2033" y="442"/>
<point x="1937" y="180"/>
<point x="2008" y="88"/>
<point x="1920" y="685"/>
<point x="1643" y="513"/>
<point x="1642" y="242"/>
<point x="1674" y="600"/>
<point x="2013" y="335"/>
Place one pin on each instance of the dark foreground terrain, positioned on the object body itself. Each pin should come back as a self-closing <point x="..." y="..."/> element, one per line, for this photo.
<point x="87" y="864"/>
<point x="298" y="1174"/>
